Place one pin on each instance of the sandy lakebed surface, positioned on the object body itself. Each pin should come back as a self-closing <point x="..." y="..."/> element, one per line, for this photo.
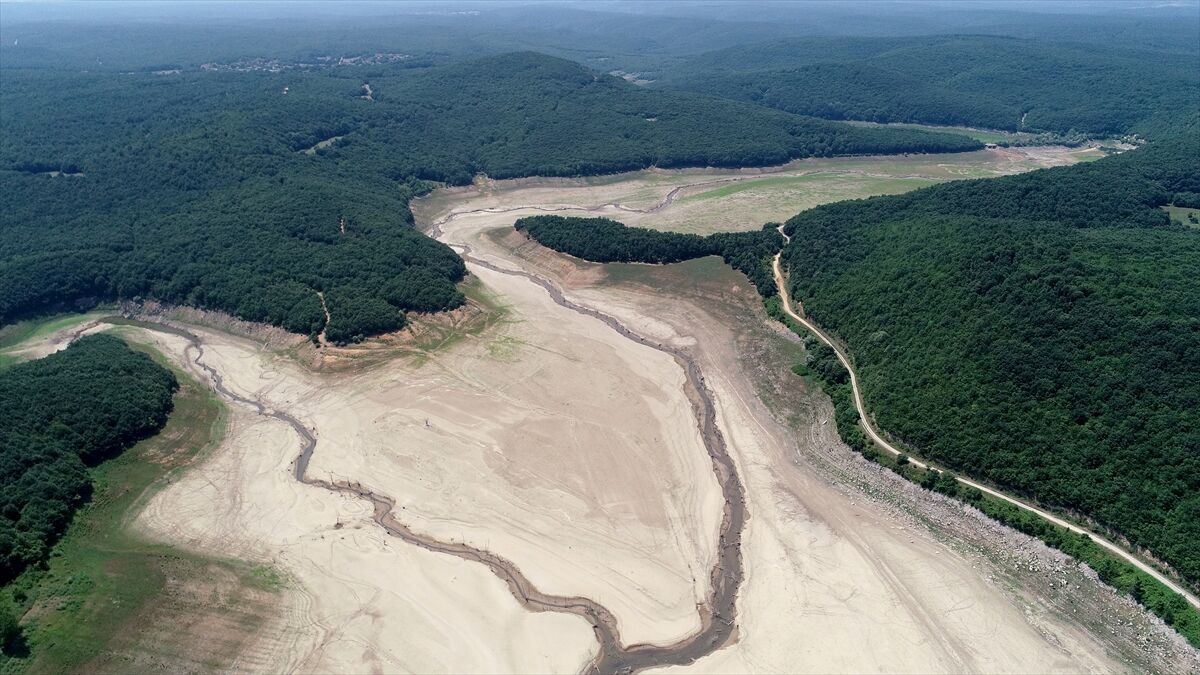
<point x="573" y="452"/>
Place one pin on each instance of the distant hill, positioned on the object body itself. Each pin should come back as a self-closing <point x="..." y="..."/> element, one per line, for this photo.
<point x="250" y="192"/>
<point x="975" y="80"/>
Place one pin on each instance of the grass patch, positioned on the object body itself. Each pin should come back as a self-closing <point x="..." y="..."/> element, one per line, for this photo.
<point x="14" y="334"/>
<point x="981" y="135"/>
<point x="750" y="184"/>
<point x="504" y="348"/>
<point x="267" y="578"/>
<point x="686" y="273"/>
<point x="90" y="604"/>
<point x="1183" y="215"/>
<point x="831" y="186"/>
<point x="321" y="145"/>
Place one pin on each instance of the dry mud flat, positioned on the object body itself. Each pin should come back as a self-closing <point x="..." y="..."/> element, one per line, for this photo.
<point x="722" y="200"/>
<point x="572" y="451"/>
<point x="510" y="447"/>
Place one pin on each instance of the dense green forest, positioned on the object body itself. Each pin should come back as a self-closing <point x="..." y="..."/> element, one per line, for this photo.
<point x="58" y="416"/>
<point x="604" y="240"/>
<point x="993" y="82"/>
<point x="195" y="187"/>
<point x="1039" y="331"/>
<point x="822" y="367"/>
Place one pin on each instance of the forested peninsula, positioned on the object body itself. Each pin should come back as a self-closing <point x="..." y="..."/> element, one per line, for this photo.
<point x="250" y="193"/>
<point x="604" y="240"/>
<point x="59" y="415"/>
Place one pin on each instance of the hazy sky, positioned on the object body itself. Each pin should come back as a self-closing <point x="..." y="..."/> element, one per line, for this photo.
<point x="23" y="10"/>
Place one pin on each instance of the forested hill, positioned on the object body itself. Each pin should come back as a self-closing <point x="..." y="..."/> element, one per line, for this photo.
<point x="58" y="416"/>
<point x="975" y="80"/>
<point x="249" y="192"/>
<point x="1039" y="331"/>
<point x="604" y="240"/>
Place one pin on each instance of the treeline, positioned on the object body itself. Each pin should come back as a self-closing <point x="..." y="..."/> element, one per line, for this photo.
<point x="58" y="416"/>
<point x="193" y="190"/>
<point x="529" y="114"/>
<point x="973" y="80"/>
<point x="821" y="365"/>
<point x="1040" y="331"/>
<point x="604" y="240"/>
<point x="1190" y="200"/>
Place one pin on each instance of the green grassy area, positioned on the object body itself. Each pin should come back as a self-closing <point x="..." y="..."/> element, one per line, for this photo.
<point x="1184" y="215"/>
<point x="320" y="145"/>
<point x="103" y="581"/>
<point x="981" y="135"/>
<point x="867" y="185"/>
<point x="683" y="274"/>
<point x="14" y="334"/>
<point x="743" y="185"/>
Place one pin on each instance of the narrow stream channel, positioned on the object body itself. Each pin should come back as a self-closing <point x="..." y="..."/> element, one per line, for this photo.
<point x="717" y="615"/>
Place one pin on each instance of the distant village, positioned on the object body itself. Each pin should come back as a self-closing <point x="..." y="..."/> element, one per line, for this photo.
<point x="279" y="65"/>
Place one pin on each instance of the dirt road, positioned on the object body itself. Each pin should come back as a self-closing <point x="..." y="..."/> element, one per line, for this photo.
<point x="869" y="427"/>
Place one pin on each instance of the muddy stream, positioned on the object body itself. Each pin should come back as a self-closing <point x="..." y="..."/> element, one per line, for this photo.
<point x="717" y="614"/>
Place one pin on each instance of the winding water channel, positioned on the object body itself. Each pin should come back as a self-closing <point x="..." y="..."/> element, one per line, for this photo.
<point x="717" y="614"/>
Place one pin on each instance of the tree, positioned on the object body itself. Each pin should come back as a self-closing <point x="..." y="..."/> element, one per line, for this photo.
<point x="10" y="628"/>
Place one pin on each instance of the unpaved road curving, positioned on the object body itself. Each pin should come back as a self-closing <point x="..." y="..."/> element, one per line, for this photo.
<point x="869" y="427"/>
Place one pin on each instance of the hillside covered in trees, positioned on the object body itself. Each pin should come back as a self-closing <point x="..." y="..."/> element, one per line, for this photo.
<point x="250" y="192"/>
<point x="1039" y="331"/>
<point x="58" y="416"/>
<point x="993" y="82"/>
<point x="604" y="240"/>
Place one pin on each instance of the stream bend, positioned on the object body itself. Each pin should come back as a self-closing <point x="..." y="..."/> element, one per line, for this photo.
<point x="717" y="614"/>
